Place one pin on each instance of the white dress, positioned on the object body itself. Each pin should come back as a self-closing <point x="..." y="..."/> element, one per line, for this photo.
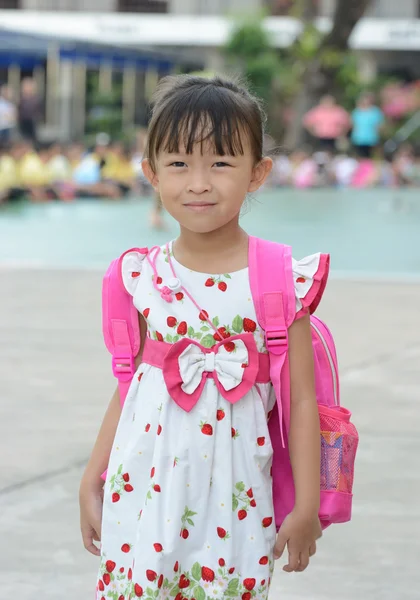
<point x="188" y="510"/>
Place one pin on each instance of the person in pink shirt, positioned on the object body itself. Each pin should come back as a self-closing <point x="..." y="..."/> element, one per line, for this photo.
<point x="327" y="122"/>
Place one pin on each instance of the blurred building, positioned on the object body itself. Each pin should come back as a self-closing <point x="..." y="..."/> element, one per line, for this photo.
<point x="388" y="9"/>
<point x="137" y="41"/>
<point x="135" y="6"/>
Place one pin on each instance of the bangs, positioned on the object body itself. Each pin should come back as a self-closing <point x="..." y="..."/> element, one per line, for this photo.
<point x="208" y="115"/>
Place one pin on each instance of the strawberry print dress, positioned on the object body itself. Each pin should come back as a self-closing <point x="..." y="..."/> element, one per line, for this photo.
<point x="188" y="511"/>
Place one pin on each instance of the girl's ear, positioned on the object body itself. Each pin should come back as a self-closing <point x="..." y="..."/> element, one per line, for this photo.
<point x="150" y="175"/>
<point x="260" y="173"/>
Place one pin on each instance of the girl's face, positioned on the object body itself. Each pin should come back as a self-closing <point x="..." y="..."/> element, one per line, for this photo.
<point x="203" y="191"/>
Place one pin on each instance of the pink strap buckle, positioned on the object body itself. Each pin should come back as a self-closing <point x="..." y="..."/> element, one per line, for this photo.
<point x="276" y="339"/>
<point x="123" y="367"/>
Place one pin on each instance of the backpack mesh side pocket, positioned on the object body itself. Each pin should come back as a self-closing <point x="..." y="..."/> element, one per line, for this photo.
<point x="339" y="441"/>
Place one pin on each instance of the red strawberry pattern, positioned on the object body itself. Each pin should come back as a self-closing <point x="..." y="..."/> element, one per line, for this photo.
<point x="186" y="520"/>
<point x="118" y="485"/>
<point x="249" y="325"/>
<point x="207" y="574"/>
<point x="242" y="499"/>
<point x="196" y="582"/>
<point x="222" y="533"/>
<point x="110" y="566"/>
<point x="220" y="415"/>
<point x="156" y="458"/>
<point x="230" y="346"/>
<point x="235" y="433"/>
<point x="249" y="584"/>
<point x="182" y="328"/>
<point x="206" y="428"/>
<point x="183" y="582"/>
<point x="266" y="522"/>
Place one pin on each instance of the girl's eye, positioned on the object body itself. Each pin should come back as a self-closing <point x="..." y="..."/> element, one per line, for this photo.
<point x="221" y="164"/>
<point x="178" y="164"/>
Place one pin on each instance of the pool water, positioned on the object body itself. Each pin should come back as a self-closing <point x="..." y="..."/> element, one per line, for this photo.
<point x="372" y="233"/>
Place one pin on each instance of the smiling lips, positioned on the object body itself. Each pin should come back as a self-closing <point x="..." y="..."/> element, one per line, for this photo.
<point x="199" y="206"/>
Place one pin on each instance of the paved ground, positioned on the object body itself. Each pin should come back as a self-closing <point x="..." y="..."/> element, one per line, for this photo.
<point x="55" y="383"/>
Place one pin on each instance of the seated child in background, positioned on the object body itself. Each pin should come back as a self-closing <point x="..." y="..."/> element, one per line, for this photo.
<point x="119" y="169"/>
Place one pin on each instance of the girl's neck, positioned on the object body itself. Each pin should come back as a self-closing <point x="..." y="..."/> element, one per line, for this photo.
<point x="221" y="251"/>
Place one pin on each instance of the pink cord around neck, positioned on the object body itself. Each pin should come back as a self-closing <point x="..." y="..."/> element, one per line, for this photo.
<point x="200" y="310"/>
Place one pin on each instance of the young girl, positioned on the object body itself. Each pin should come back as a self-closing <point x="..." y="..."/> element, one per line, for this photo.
<point x="187" y="509"/>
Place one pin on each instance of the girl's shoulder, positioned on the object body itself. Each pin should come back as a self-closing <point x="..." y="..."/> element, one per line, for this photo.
<point x="132" y="264"/>
<point x="136" y="260"/>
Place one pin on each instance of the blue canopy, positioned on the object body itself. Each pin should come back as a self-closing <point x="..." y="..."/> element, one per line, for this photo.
<point x="28" y="50"/>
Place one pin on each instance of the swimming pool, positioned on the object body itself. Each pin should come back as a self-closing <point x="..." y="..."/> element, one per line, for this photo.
<point x="369" y="233"/>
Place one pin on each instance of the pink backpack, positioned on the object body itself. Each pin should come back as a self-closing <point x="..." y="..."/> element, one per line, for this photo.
<point x="270" y="272"/>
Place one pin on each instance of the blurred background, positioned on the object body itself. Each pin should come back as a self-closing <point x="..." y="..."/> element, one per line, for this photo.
<point x="340" y="80"/>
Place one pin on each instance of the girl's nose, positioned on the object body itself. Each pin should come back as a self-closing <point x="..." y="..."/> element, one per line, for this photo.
<point x="199" y="183"/>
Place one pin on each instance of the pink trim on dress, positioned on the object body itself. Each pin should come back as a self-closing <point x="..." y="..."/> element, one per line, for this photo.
<point x="165" y="356"/>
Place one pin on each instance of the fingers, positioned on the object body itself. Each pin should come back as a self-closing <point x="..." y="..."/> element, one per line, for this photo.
<point x="299" y="561"/>
<point x="312" y="549"/>
<point x="88" y="535"/>
<point x="294" y="561"/>
<point x="303" y="561"/>
<point x="280" y="546"/>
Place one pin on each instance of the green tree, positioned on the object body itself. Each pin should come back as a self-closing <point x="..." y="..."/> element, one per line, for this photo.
<point x="298" y="76"/>
<point x="249" y="49"/>
<point x="324" y="62"/>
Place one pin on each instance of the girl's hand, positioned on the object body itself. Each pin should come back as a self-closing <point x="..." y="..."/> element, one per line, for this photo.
<point x="300" y="533"/>
<point x="91" y="501"/>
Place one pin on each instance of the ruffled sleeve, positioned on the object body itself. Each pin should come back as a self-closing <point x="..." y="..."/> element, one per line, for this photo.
<point x="310" y="277"/>
<point x="131" y="266"/>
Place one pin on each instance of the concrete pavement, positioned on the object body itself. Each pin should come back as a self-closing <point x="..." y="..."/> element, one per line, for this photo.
<point x="55" y="383"/>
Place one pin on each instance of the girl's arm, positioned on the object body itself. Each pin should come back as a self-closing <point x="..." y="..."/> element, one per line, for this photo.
<point x="302" y="528"/>
<point x="99" y="458"/>
<point x="91" y="487"/>
<point x="304" y="435"/>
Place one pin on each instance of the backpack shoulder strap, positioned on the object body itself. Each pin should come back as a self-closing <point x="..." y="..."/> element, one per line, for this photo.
<point x="270" y="270"/>
<point x="120" y="325"/>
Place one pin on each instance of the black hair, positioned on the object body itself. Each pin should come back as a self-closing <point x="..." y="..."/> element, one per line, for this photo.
<point x="188" y="110"/>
